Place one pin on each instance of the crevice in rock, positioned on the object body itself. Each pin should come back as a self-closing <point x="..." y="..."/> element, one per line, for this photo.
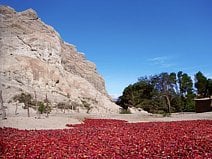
<point x="19" y="81"/>
<point x="32" y="49"/>
<point x="57" y="81"/>
<point x="34" y="18"/>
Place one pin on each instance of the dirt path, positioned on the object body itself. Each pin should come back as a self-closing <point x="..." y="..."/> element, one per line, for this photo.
<point x="58" y="120"/>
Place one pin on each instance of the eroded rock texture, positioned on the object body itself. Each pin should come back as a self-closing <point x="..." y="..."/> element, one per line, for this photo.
<point x="34" y="58"/>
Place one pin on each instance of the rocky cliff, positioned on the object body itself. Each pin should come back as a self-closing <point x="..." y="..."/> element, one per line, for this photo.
<point x="34" y="58"/>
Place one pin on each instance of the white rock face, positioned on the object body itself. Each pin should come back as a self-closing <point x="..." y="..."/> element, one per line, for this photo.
<point x="34" y="58"/>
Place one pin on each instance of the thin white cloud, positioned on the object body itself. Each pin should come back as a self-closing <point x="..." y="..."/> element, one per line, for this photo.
<point x="162" y="61"/>
<point x="159" y="59"/>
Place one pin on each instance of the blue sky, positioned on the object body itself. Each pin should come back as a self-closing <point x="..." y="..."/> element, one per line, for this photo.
<point x="128" y="39"/>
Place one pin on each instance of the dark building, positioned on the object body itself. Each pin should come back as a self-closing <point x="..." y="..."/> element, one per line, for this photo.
<point x="203" y="105"/>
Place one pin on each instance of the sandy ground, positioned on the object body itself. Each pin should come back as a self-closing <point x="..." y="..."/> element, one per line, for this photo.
<point x="58" y="119"/>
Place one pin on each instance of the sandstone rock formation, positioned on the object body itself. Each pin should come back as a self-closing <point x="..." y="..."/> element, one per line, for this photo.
<point x="34" y="58"/>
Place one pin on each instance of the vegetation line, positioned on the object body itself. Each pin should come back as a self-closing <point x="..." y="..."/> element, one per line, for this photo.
<point x="166" y="92"/>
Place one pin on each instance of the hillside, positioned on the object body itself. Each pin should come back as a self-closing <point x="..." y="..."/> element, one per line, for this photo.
<point x="34" y="59"/>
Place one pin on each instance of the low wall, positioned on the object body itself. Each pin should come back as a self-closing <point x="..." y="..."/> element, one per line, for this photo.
<point x="203" y="105"/>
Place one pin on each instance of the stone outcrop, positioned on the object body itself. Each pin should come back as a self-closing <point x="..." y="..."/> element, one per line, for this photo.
<point x="34" y="58"/>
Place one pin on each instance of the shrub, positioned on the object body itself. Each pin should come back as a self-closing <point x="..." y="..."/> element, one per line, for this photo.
<point x="25" y="98"/>
<point x="22" y="98"/>
<point x="124" y="111"/>
<point x="67" y="105"/>
<point x="41" y="107"/>
<point x="86" y="105"/>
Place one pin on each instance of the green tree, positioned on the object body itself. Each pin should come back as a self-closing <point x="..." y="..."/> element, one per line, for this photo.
<point x="201" y="84"/>
<point x="179" y="80"/>
<point x="164" y="92"/>
<point x="127" y="99"/>
<point x="24" y="98"/>
<point x="165" y="85"/>
<point x="134" y="94"/>
<point x="185" y="91"/>
<point x="189" y="105"/>
<point x="186" y="85"/>
<point x="41" y="107"/>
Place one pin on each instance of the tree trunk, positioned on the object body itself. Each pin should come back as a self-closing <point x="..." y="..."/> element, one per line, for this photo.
<point x="28" y="110"/>
<point x="2" y="106"/>
<point x="36" y="105"/>
<point x="16" y="108"/>
<point x="168" y="103"/>
<point x="47" y="106"/>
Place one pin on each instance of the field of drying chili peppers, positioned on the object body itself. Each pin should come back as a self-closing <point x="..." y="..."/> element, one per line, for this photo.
<point x="101" y="138"/>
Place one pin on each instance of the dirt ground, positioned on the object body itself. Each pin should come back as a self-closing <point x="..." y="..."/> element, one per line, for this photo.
<point x="58" y="119"/>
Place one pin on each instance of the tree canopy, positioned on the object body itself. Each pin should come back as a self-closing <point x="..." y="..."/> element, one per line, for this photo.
<point x="166" y="92"/>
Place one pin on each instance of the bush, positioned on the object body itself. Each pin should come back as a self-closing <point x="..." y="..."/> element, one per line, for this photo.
<point x="63" y="105"/>
<point x="25" y="98"/>
<point x="125" y="111"/>
<point x="41" y="107"/>
<point x="165" y="114"/>
<point x="67" y="105"/>
<point x="86" y="105"/>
